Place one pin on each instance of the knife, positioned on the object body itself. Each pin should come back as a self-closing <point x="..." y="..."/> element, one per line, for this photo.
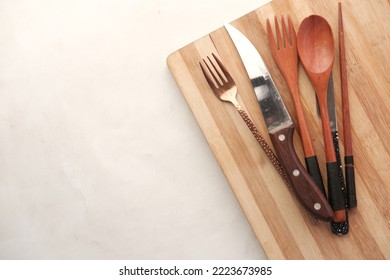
<point x="339" y="228"/>
<point x="280" y="127"/>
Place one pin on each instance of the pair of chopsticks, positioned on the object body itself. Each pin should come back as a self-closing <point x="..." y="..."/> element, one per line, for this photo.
<point x="348" y="156"/>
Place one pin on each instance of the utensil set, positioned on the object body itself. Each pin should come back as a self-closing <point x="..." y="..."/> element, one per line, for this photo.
<point x="313" y="46"/>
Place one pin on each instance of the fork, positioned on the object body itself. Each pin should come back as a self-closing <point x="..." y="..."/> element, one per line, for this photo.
<point x="285" y="53"/>
<point x="224" y="87"/>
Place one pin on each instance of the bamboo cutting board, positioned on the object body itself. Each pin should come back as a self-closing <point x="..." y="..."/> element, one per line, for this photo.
<point x="283" y="228"/>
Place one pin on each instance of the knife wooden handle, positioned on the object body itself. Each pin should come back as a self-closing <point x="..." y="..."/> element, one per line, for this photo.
<point x="305" y="188"/>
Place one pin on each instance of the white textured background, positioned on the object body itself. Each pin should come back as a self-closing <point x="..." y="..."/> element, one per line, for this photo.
<point x="100" y="156"/>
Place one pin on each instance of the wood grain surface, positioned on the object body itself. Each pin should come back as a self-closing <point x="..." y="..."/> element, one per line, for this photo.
<point x="283" y="228"/>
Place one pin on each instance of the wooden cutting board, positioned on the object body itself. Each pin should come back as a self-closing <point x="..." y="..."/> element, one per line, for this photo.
<point x="283" y="228"/>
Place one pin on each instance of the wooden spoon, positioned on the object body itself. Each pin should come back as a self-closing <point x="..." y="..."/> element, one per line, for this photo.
<point x="316" y="50"/>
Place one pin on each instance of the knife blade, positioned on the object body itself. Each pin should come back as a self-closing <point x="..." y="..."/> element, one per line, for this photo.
<point x="280" y="127"/>
<point x="333" y="127"/>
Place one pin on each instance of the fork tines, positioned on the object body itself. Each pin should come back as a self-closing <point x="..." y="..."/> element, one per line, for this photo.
<point x="216" y="76"/>
<point x="288" y="38"/>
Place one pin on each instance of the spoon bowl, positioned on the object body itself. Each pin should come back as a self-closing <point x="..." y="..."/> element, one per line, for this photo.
<point x="316" y="50"/>
<point x="317" y="44"/>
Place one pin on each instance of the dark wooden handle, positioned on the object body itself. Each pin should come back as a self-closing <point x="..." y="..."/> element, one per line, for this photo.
<point x="305" y="188"/>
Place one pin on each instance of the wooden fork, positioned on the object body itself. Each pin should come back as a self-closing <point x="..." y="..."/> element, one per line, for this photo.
<point x="285" y="53"/>
<point x="224" y="87"/>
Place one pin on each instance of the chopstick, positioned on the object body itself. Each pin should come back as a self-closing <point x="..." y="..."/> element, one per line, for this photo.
<point x="348" y="156"/>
